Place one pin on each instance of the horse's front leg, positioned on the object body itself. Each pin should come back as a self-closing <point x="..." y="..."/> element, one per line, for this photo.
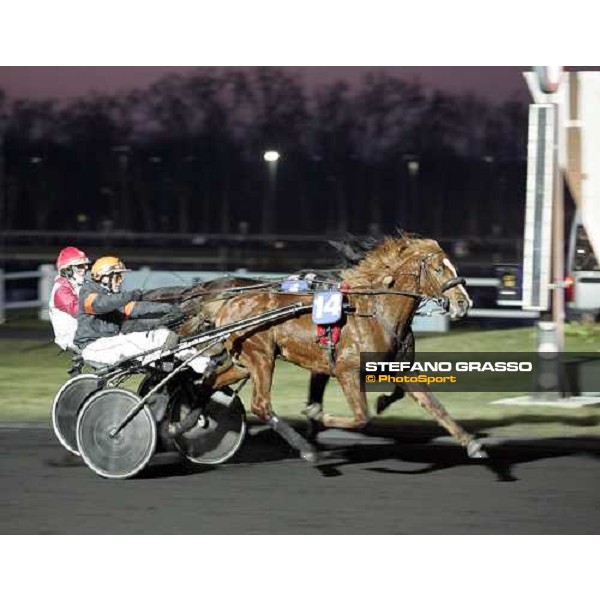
<point x="349" y="379"/>
<point x="405" y="352"/>
<point x="424" y="398"/>
<point x="385" y="400"/>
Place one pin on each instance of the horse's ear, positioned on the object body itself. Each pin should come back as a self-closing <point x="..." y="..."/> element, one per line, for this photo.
<point x="388" y="281"/>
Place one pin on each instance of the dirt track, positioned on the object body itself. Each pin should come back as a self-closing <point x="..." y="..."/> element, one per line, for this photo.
<point x="363" y="486"/>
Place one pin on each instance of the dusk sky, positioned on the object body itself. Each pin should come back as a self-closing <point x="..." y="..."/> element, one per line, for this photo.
<point x="494" y="83"/>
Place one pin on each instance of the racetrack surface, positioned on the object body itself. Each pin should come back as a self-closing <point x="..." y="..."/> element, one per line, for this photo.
<point x="362" y="486"/>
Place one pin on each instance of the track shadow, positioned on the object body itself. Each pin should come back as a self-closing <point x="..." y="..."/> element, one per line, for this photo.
<point x="165" y="466"/>
<point x="433" y="457"/>
<point x="417" y="453"/>
<point x="416" y="447"/>
<point x="64" y="460"/>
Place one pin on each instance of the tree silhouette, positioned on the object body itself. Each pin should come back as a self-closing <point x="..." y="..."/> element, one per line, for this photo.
<point x="185" y="154"/>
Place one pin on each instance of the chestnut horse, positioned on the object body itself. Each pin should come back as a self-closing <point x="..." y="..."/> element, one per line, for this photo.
<point x="384" y="290"/>
<point x="202" y="301"/>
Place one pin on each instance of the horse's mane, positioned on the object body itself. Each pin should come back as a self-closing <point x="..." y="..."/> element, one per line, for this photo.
<point x="385" y="257"/>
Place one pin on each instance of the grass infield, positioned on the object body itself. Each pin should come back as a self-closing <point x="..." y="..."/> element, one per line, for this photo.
<point x="32" y="371"/>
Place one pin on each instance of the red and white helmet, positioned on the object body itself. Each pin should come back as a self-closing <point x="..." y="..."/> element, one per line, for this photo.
<point x="69" y="264"/>
<point x="71" y="257"/>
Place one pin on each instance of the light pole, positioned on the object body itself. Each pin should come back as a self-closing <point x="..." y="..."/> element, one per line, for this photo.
<point x="489" y="196"/>
<point x="271" y="157"/>
<point x="413" y="166"/>
<point x="3" y="207"/>
<point x="36" y="189"/>
<point x="3" y="215"/>
<point x="124" y="210"/>
<point x="2" y="203"/>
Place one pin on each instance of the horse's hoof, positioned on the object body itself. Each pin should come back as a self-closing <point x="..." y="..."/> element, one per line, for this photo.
<point x="310" y="456"/>
<point x="313" y="411"/>
<point x="384" y="402"/>
<point x="475" y="450"/>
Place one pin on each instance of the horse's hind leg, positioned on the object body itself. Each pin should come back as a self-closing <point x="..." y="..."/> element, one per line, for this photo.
<point x="314" y="404"/>
<point x="231" y="375"/>
<point x="433" y="406"/>
<point x="261" y="370"/>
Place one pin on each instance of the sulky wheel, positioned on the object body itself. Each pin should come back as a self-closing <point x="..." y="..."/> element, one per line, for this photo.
<point x="128" y="452"/>
<point x="67" y="403"/>
<point x="218" y="433"/>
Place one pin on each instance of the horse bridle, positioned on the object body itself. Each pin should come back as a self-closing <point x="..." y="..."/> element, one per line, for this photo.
<point x="444" y="287"/>
<point x="449" y="283"/>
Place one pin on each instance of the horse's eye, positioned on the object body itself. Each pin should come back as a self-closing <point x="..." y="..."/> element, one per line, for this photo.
<point x="439" y="270"/>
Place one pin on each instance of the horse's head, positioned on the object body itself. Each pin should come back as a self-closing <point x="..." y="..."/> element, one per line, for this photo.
<point x="438" y="277"/>
<point x="435" y="275"/>
<point x="416" y="265"/>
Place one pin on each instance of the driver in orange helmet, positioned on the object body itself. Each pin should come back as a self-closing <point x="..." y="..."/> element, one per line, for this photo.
<point x="113" y="324"/>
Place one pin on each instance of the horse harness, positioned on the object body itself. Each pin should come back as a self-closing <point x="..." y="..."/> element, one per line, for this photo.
<point x="327" y="336"/>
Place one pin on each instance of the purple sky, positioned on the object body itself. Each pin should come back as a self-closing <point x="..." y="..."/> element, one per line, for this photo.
<point x="495" y="83"/>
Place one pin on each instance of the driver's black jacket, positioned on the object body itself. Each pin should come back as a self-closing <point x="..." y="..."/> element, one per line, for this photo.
<point x="103" y="314"/>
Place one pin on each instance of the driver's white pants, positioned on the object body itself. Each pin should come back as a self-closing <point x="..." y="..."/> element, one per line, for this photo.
<point x="109" y="350"/>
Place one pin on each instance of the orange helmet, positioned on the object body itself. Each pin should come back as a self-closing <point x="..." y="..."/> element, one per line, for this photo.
<point x="107" y="265"/>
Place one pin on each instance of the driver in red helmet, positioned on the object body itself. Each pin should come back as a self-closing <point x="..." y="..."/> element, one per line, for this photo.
<point x="71" y="265"/>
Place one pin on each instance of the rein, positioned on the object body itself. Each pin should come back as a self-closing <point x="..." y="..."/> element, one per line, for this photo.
<point x="384" y="291"/>
<point x="229" y="290"/>
<point x="226" y="293"/>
